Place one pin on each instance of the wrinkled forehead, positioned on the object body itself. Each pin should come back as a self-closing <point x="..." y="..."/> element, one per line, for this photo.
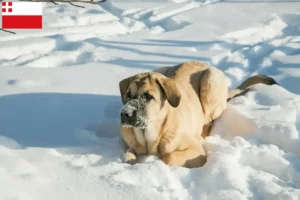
<point x="142" y="83"/>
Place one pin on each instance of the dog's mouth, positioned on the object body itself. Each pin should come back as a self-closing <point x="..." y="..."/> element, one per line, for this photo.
<point x="133" y="114"/>
<point x="141" y="126"/>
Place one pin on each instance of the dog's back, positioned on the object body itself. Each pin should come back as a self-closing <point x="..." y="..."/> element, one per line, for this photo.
<point x="204" y="93"/>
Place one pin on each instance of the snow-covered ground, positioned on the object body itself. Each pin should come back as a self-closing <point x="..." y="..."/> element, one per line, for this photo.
<point x="59" y="100"/>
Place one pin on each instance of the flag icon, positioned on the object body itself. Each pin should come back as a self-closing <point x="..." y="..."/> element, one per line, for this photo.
<point x="22" y="15"/>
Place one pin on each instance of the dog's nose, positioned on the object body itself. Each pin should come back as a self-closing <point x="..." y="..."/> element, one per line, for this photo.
<point x="123" y="114"/>
<point x="126" y="118"/>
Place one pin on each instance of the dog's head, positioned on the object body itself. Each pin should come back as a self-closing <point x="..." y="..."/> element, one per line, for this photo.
<point x="146" y="97"/>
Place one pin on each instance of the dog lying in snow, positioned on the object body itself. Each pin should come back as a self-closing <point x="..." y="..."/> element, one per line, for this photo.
<point x="168" y="112"/>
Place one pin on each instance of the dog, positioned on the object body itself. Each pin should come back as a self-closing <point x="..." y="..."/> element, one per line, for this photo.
<point x="169" y="111"/>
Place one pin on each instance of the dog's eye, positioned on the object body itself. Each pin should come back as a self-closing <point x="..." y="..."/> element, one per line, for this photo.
<point x="129" y="95"/>
<point x="148" y="96"/>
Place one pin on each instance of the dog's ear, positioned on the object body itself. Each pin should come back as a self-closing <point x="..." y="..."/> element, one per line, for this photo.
<point x="123" y="86"/>
<point x="170" y="90"/>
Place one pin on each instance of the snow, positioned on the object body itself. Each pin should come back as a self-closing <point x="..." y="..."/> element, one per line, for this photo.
<point x="60" y="101"/>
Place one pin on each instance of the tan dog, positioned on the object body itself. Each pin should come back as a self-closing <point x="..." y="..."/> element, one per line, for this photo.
<point x="169" y="112"/>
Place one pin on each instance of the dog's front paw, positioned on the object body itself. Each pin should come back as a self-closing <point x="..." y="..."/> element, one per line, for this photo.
<point x="172" y="159"/>
<point x="168" y="159"/>
<point x="129" y="157"/>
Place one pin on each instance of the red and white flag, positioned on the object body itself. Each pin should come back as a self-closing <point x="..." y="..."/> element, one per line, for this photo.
<point x="22" y="15"/>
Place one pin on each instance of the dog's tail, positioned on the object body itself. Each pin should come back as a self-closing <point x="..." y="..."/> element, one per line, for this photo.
<point x="249" y="83"/>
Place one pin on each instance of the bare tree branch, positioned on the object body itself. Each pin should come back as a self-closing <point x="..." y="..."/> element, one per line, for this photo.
<point x="7" y="30"/>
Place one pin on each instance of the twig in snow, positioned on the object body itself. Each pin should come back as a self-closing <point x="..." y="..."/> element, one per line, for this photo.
<point x="7" y="30"/>
<point x="68" y="1"/>
<point x="53" y="2"/>
<point x="75" y="5"/>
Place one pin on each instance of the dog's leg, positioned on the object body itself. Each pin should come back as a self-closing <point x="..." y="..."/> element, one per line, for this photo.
<point x="191" y="157"/>
<point x="213" y="93"/>
<point x="207" y="129"/>
<point x="134" y="147"/>
<point x="169" y="143"/>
